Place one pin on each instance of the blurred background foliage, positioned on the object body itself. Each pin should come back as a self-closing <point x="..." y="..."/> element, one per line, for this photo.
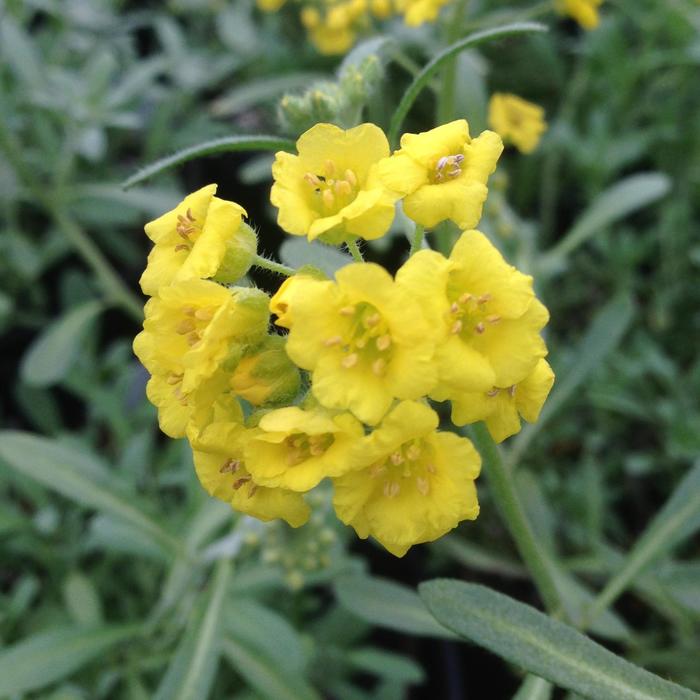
<point x="119" y="577"/>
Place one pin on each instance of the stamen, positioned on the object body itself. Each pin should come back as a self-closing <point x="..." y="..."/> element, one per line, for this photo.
<point x="350" y="360"/>
<point x="423" y="486"/>
<point x="383" y="342"/>
<point x="181" y="246"/>
<point x="204" y="314"/>
<point x="174" y="379"/>
<point x="483" y="298"/>
<point x="351" y="178"/>
<point x="480" y="328"/>
<point x="431" y="468"/>
<point x="376" y="469"/>
<point x="465" y="298"/>
<point x="193" y="339"/>
<point x="185" y="326"/>
<point x="252" y="490"/>
<point x="493" y="318"/>
<point x="372" y="320"/>
<point x="413" y="452"/>
<point x="457" y="327"/>
<point x="378" y="367"/>
<point x="347" y="311"/>
<point x="328" y="198"/>
<point x="332" y="341"/>
<point x="229" y="466"/>
<point x="312" y="180"/>
<point x="391" y="489"/>
<point x="343" y="188"/>
<point x="494" y="392"/>
<point x="239" y="482"/>
<point x="190" y="216"/>
<point x="454" y="308"/>
<point x="396" y="458"/>
<point x="329" y="168"/>
<point x="511" y="390"/>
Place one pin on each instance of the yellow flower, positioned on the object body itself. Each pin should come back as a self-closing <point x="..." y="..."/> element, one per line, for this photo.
<point x="364" y="339"/>
<point x="293" y="288"/>
<point x="501" y="407"/>
<point x="266" y="375"/>
<point x="191" y="329"/>
<point x="192" y="241"/>
<point x="334" y="32"/>
<point x="270" y="5"/>
<point x="585" y="12"/>
<point x="218" y="450"/>
<point x="330" y="189"/>
<point x="417" y="483"/>
<point x="442" y="173"/>
<point x="517" y="120"/>
<point x="484" y="312"/>
<point x="296" y="449"/>
<point x="381" y="9"/>
<point x="418" y="11"/>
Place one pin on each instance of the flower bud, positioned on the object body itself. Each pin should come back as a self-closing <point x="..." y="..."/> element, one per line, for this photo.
<point x="267" y="375"/>
<point x="241" y="249"/>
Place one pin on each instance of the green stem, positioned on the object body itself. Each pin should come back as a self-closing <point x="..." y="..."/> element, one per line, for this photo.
<point x="417" y="242"/>
<point x="279" y="268"/>
<point x="446" y="98"/>
<point x="433" y="66"/>
<point x="354" y="250"/>
<point x="506" y="497"/>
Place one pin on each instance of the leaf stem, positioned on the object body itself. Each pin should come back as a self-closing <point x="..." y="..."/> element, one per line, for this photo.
<point x="354" y="250"/>
<point x="272" y="266"/>
<point x="504" y="493"/>
<point x="446" y="98"/>
<point x="422" y="79"/>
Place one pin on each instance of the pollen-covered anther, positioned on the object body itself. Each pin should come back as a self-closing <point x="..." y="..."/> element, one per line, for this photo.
<point x="342" y="188"/>
<point x="465" y="298"/>
<point x="483" y="298"/>
<point x="347" y="311"/>
<point x="229" y="466"/>
<point x="240" y="482"/>
<point x="329" y="168"/>
<point x="376" y="469"/>
<point x="313" y="180"/>
<point x="378" y="367"/>
<point x="431" y="468"/>
<point x="383" y="342"/>
<point x="187" y="325"/>
<point x="204" y="314"/>
<point x="193" y="338"/>
<point x="332" y="341"/>
<point x="511" y="390"/>
<point x="480" y="328"/>
<point x="422" y="485"/>
<point x="251" y="491"/>
<point x="413" y="453"/>
<point x="457" y="327"/>
<point x="351" y="177"/>
<point x="391" y="489"/>
<point x="396" y="458"/>
<point x="454" y="308"/>
<point x="372" y="320"/>
<point x="449" y="167"/>
<point x="328" y="198"/>
<point x="182" y="246"/>
<point x="493" y="318"/>
<point x="349" y="360"/>
<point x="494" y="392"/>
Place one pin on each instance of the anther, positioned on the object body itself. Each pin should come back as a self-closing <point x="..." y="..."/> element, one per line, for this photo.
<point x="181" y="246"/>
<point x="494" y="392"/>
<point x="413" y="453"/>
<point x="329" y="168"/>
<point x="251" y="491"/>
<point x="480" y="328"/>
<point x="349" y="361"/>
<point x="391" y="489"/>
<point x="204" y="314"/>
<point x="465" y="298"/>
<point x="511" y="390"/>
<point x="376" y="469"/>
<point x="190" y="216"/>
<point x="372" y="320"/>
<point x="239" y="482"/>
<point x="483" y="298"/>
<point x="347" y="311"/>
<point x="328" y="198"/>
<point x="378" y="367"/>
<point x="396" y="458"/>
<point x="456" y="327"/>
<point x="454" y="308"/>
<point x="343" y="188"/>
<point x="188" y="310"/>
<point x="332" y="341"/>
<point x="174" y="379"/>
<point x="193" y="339"/>
<point x="351" y="178"/>
<point x="185" y="326"/>
<point x="493" y="318"/>
<point x="383" y="342"/>
<point x="422" y="485"/>
<point x="431" y="468"/>
<point x="312" y="180"/>
<point x="229" y="466"/>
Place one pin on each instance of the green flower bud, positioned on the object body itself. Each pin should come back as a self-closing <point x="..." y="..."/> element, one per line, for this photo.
<point x="240" y="252"/>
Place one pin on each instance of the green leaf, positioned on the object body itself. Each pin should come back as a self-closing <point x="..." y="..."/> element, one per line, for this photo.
<point x="386" y="665"/>
<point x="534" y="688"/>
<point x="387" y="604"/>
<point x="433" y="66"/>
<point x="677" y="520"/>
<point x="226" y="144"/>
<point x="82" y="600"/>
<point x="51" y="355"/>
<point x="602" y="337"/>
<point x="265" y="675"/>
<point x="297" y="252"/>
<point x="262" y="629"/>
<point x="192" y="670"/>
<point x="623" y="198"/>
<point x="542" y="646"/>
<point x="54" y="466"/>
<point x="50" y="656"/>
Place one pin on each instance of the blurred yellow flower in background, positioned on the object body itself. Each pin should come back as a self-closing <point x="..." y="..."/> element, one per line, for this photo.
<point x="585" y="12"/>
<point x="417" y="484"/>
<point x="417" y="12"/>
<point x="517" y="120"/>
<point x="442" y="173"/>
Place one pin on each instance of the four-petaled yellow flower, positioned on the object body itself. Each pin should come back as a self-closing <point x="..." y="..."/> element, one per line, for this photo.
<point x="585" y="12"/>
<point x="416" y="485"/>
<point x="364" y="339"/>
<point x="442" y="173"/>
<point x="330" y="189"/>
<point x="191" y="329"/>
<point x="195" y="241"/>
<point x="501" y="407"/>
<point x="485" y="311"/>
<point x="517" y="120"/>
<point x="295" y="449"/>
<point x="218" y="448"/>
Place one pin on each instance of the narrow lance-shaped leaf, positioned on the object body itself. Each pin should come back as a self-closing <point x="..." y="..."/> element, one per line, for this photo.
<point x="534" y="688"/>
<point x="51" y="355"/>
<point x="545" y="647"/>
<point x="433" y="66"/>
<point x="48" y="657"/>
<point x="678" y="519"/>
<point x="208" y="148"/>
<point x="52" y="464"/>
<point x="193" y="668"/>
<point x="388" y="604"/>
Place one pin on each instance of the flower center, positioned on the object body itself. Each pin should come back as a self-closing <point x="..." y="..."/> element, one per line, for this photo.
<point x="409" y="467"/>
<point x="367" y="341"/>
<point x="332" y="189"/>
<point x="447" y="168"/>
<point x="193" y="323"/>
<point x="236" y="469"/>
<point x="469" y="315"/>
<point x="186" y="228"/>
<point x="301" y="446"/>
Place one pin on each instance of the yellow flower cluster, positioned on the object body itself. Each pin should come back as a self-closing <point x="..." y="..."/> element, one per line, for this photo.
<point x="345" y="394"/>
<point x="333" y="25"/>
<point x="517" y="120"/>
